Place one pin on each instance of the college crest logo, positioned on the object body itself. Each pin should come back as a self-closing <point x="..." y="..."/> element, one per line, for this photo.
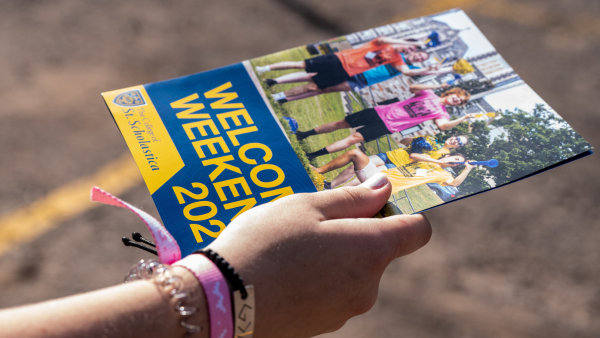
<point x="131" y="98"/>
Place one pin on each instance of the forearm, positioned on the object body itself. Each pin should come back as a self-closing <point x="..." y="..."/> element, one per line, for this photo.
<point x="393" y="41"/>
<point x="460" y="178"/>
<point x="135" y="309"/>
<point x="423" y="158"/>
<point x="451" y="124"/>
<point x="417" y="87"/>
<point x="443" y="70"/>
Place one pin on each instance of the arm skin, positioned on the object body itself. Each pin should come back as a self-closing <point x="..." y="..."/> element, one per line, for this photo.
<point x="315" y="261"/>
<point x="445" y="124"/>
<point x="440" y="70"/>
<point x="135" y="309"/>
<point x="392" y="41"/>
<point x="431" y="70"/>
<point x="407" y="46"/>
<point x="460" y="178"/>
<point x="417" y="87"/>
<point x="423" y="158"/>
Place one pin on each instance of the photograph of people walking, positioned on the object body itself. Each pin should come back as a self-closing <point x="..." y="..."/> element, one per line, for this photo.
<point x="429" y="102"/>
<point x="346" y="70"/>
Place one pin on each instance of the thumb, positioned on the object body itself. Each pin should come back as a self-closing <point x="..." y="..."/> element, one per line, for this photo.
<point x="354" y="202"/>
<point x="395" y="236"/>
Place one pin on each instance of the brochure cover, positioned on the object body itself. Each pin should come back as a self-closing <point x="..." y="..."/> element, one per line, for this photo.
<point x="427" y="101"/>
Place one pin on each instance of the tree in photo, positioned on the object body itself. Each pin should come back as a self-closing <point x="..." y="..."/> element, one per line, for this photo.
<point x="530" y="141"/>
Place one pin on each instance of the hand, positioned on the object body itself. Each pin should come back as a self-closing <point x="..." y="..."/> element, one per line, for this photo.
<point x="315" y="260"/>
<point x="434" y="67"/>
<point x="444" y="85"/>
<point x="447" y="162"/>
<point x="468" y="165"/>
<point x="422" y="44"/>
<point x="406" y="48"/>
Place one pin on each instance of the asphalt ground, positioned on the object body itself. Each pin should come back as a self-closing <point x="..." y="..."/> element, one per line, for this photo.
<point x="520" y="261"/>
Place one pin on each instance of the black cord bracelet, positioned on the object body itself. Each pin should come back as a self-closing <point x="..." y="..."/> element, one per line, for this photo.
<point x="227" y="270"/>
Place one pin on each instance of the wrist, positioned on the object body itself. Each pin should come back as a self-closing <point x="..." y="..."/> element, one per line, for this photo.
<point x="181" y="296"/>
<point x="242" y="295"/>
<point x="217" y="293"/>
<point x="196" y="299"/>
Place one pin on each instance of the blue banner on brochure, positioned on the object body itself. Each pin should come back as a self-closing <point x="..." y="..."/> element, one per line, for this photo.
<point x="209" y="149"/>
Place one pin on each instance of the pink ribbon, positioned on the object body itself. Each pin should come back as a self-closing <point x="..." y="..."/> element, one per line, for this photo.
<point x="216" y="291"/>
<point x="168" y="250"/>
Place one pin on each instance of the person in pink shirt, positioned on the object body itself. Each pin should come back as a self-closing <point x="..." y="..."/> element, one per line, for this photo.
<point x="376" y="122"/>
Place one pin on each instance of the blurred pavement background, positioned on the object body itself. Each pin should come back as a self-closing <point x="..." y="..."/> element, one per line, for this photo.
<point x="520" y="261"/>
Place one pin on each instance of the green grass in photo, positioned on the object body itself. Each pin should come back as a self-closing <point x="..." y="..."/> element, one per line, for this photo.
<point x="321" y="109"/>
<point x="309" y="113"/>
<point x="421" y="197"/>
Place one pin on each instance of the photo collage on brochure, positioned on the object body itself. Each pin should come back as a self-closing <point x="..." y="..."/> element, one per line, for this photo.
<point x="427" y="101"/>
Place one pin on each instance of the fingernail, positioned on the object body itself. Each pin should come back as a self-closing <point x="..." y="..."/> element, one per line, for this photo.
<point x="376" y="182"/>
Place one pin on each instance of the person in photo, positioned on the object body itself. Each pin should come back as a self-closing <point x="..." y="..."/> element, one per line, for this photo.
<point x="359" y="81"/>
<point x="409" y="175"/>
<point x="420" y="149"/>
<point x="376" y="122"/>
<point x="325" y="72"/>
<point x="386" y="72"/>
<point x="417" y="173"/>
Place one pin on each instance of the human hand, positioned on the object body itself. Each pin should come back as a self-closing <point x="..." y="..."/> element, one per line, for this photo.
<point x="448" y="162"/>
<point x="468" y="165"/>
<point x="470" y="116"/>
<point x="444" y="85"/>
<point x="402" y="48"/>
<point x="315" y="260"/>
<point x="435" y="66"/>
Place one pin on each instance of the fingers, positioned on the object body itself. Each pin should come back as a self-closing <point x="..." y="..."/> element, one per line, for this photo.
<point x="406" y="233"/>
<point x="354" y="202"/>
<point x="397" y="235"/>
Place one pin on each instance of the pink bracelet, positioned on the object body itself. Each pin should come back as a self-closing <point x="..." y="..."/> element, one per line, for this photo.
<point x="213" y="283"/>
<point x="216" y="291"/>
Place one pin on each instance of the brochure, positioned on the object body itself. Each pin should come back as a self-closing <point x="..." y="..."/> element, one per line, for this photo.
<point x="428" y="101"/>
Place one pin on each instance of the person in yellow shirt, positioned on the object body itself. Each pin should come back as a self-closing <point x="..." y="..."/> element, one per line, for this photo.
<point x="423" y="148"/>
<point x="411" y="174"/>
<point x="420" y="149"/>
<point x="417" y="173"/>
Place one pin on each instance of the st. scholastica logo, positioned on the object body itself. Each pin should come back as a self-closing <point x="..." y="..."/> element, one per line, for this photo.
<point x="131" y="98"/>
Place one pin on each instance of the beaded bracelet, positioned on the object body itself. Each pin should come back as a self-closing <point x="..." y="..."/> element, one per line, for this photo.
<point x="162" y="274"/>
<point x="226" y="269"/>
